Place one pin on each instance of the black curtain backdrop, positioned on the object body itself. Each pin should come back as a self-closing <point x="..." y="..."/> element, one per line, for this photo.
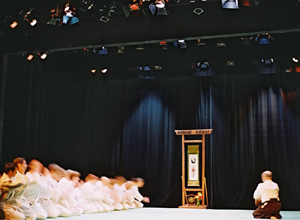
<point x="126" y="127"/>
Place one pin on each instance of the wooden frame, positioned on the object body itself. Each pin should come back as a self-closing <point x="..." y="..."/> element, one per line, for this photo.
<point x="203" y="188"/>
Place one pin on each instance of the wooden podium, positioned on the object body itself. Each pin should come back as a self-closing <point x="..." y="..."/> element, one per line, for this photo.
<point x="202" y="188"/>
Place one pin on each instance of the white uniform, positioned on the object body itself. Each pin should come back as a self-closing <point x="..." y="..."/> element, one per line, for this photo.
<point x="103" y="197"/>
<point x="266" y="191"/>
<point x="114" y="194"/>
<point x="87" y="193"/>
<point x="122" y="192"/>
<point x="68" y="197"/>
<point x="45" y="199"/>
<point x="56" y="193"/>
<point x="21" y="200"/>
<point x="138" y="197"/>
<point x="8" y="202"/>
<point x="32" y="193"/>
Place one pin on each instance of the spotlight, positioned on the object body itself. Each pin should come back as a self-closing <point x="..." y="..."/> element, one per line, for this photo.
<point x="263" y="39"/>
<point x="182" y="43"/>
<point x="33" y="22"/>
<point x="267" y="66"/>
<point x="144" y="68"/>
<point x="104" y="70"/>
<point x="295" y="59"/>
<point x="93" y="70"/>
<point x="221" y="43"/>
<point x="179" y="42"/>
<point x="164" y="45"/>
<point x="230" y="63"/>
<point x="203" y="65"/>
<point x="140" y="47"/>
<point x="248" y="3"/>
<point x="102" y="51"/>
<point x="230" y="4"/>
<point x="157" y="67"/>
<point x="29" y="57"/>
<point x="13" y="24"/>
<point x="43" y="56"/>
<point x="200" y="42"/>
<point x="203" y="69"/>
<point x="120" y="49"/>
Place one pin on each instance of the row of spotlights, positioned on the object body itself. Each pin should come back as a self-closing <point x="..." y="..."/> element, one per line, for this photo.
<point x="41" y="55"/>
<point x="104" y="70"/>
<point x="15" y="23"/>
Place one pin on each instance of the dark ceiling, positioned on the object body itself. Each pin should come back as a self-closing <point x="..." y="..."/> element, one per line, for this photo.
<point x="270" y="15"/>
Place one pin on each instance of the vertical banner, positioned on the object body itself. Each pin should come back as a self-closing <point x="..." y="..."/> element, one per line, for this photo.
<point x="193" y="165"/>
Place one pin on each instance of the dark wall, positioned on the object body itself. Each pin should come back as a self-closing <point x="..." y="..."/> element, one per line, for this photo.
<point x="54" y="111"/>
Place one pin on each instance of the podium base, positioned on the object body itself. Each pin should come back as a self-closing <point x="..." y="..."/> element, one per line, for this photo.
<point x="193" y="207"/>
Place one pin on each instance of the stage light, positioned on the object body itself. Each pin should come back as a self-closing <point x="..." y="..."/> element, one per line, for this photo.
<point x="182" y="43"/>
<point x="164" y="45"/>
<point x="120" y="49"/>
<point x="140" y="47"/>
<point x="102" y="51"/>
<point x="13" y="24"/>
<point x="264" y="39"/>
<point x="29" y="57"/>
<point x="104" y="70"/>
<point x="248" y="3"/>
<point x="230" y="63"/>
<point x="144" y="68"/>
<point x="221" y="43"/>
<point x="203" y="65"/>
<point x="295" y="59"/>
<point x="268" y="66"/>
<point x="43" y="56"/>
<point x="93" y="70"/>
<point x="200" y="42"/>
<point x="157" y="67"/>
<point x="33" y="22"/>
<point x="230" y="4"/>
<point x="203" y="69"/>
<point x="179" y="42"/>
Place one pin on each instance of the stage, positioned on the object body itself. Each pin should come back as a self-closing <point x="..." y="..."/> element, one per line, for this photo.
<point x="176" y="213"/>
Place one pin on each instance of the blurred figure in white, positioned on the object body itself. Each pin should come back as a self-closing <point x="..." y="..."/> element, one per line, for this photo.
<point x="121" y="189"/>
<point x="57" y="173"/>
<point x="138" y="183"/>
<point x="8" y="185"/>
<point x="21" y="166"/>
<point x="104" y="198"/>
<point x="89" y="194"/>
<point x="45" y="196"/>
<point x="69" y="193"/>
<point x="35" y="186"/>
<point x="109" y="188"/>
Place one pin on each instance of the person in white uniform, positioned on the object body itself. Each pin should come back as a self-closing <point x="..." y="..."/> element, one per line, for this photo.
<point x="138" y="183"/>
<point x="108" y="186"/>
<point x="57" y="173"/>
<point x="266" y="197"/>
<point x="22" y="202"/>
<point x="8" y="186"/>
<point x="89" y="194"/>
<point x="35" y="185"/>
<point x="45" y="195"/>
<point x="104" y="198"/>
<point x="69" y="193"/>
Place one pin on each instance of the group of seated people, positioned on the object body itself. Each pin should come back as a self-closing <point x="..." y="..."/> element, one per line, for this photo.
<point x="52" y="191"/>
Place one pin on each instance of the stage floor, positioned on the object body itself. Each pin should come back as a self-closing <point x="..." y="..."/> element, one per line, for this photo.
<point x="176" y="213"/>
